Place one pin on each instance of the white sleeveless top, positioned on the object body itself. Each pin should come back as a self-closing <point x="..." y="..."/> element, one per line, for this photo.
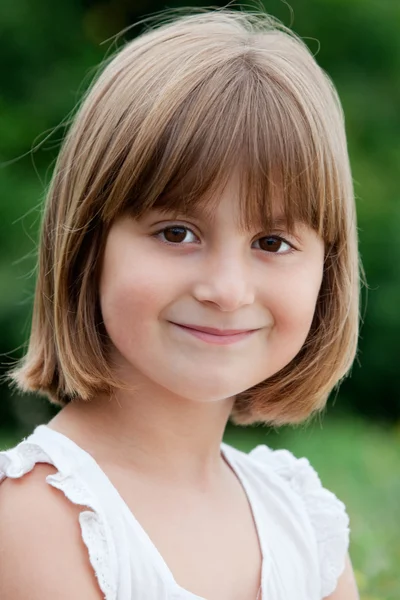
<point x="303" y="528"/>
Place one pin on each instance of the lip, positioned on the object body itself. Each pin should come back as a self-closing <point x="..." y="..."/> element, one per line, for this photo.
<point x="219" y="339"/>
<point x="214" y="331"/>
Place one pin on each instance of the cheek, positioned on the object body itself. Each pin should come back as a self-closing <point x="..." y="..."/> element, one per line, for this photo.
<point x="133" y="295"/>
<point x="121" y="291"/>
<point x="126" y="297"/>
<point x="293" y="306"/>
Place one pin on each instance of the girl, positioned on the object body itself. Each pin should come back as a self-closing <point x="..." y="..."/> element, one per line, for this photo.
<point x="198" y="262"/>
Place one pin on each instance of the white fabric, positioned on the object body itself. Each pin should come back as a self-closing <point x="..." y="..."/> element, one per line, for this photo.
<point x="303" y="528"/>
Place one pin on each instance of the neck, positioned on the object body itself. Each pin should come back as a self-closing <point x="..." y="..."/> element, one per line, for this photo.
<point x="158" y="435"/>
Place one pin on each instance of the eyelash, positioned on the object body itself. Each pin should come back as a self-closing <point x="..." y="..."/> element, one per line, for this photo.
<point x="177" y="225"/>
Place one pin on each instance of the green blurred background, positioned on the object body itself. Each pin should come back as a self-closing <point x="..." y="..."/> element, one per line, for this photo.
<point x="49" y="52"/>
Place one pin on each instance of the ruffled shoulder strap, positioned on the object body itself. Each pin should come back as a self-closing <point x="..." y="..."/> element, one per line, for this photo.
<point x="21" y="459"/>
<point x="326" y="512"/>
<point x="43" y="447"/>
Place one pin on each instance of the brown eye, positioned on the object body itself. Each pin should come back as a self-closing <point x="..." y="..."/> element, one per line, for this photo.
<point x="275" y="245"/>
<point x="175" y="234"/>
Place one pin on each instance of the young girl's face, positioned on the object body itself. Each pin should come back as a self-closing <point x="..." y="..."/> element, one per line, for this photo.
<point x="160" y="274"/>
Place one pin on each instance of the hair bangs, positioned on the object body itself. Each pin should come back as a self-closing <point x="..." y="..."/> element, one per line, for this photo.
<point x="240" y="120"/>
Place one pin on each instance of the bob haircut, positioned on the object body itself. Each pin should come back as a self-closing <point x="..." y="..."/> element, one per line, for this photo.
<point x="164" y="124"/>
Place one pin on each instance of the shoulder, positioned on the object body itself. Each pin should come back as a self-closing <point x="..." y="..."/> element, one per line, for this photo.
<point x="41" y="542"/>
<point x="324" y="512"/>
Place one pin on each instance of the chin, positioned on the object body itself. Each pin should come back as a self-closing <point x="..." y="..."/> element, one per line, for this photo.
<point x="197" y="392"/>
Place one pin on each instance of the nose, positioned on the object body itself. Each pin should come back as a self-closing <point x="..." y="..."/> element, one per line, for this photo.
<point x="225" y="281"/>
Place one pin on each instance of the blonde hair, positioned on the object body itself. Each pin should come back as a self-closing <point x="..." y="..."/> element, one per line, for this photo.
<point x="165" y="123"/>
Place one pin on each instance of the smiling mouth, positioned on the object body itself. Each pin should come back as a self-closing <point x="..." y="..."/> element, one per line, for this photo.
<point x="221" y="338"/>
